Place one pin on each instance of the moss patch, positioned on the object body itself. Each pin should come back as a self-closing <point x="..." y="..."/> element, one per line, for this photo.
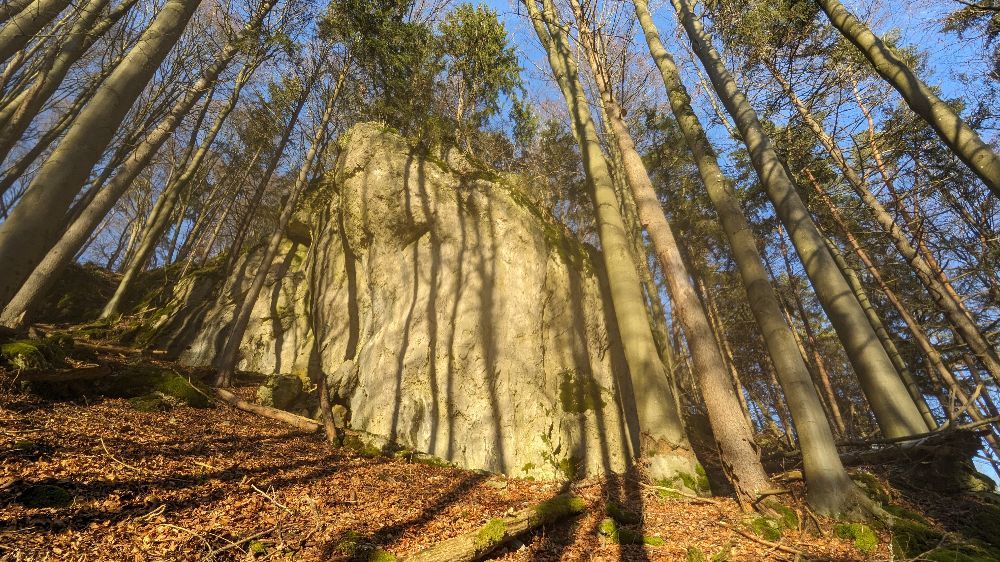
<point x="619" y="535"/>
<point x="871" y="486"/>
<point x="381" y="556"/>
<point x="579" y="393"/>
<point x="697" y="483"/>
<point x="45" y="495"/>
<point x="620" y="515"/>
<point x="864" y="538"/>
<point x="491" y="534"/>
<point x="31" y="355"/>
<point x="559" y="506"/>
<point x="766" y="528"/>
<point x="145" y="382"/>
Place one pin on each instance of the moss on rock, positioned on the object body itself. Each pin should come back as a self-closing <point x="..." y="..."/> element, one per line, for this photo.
<point x="620" y="515"/>
<point x="620" y="535"/>
<point x="34" y="354"/>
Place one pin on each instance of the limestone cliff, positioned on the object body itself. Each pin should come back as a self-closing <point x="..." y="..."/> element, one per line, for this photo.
<point x="449" y="314"/>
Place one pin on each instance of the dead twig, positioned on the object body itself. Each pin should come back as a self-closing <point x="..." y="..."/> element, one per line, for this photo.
<point x="274" y="501"/>
<point x="690" y="496"/>
<point x="235" y="544"/>
<point x="112" y="457"/>
<point x="774" y="545"/>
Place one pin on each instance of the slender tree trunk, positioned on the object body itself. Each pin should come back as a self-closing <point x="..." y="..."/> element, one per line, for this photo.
<point x="11" y="8"/>
<point x="207" y="248"/>
<point x="895" y="411"/>
<point x="28" y="22"/>
<point x="662" y="441"/>
<point x="883" y="335"/>
<point x="962" y="140"/>
<point x="944" y="296"/>
<point x="734" y="434"/>
<point x="17" y="115"/>
<point x="226" y="361"/>
<point x="104" y="199"/>
<point x="29" y="232"/>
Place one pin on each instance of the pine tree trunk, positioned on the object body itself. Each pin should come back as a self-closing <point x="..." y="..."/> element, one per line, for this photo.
<point x="896" y="413"/>
<point x="663" y="441"/>
<point x="30" y="231"/>
<point x="962" y="140"/>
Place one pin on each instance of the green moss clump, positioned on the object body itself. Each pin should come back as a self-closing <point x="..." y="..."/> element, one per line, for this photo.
<point x="620" y="515"/>
<point x="378" y="555"/>
<point x="618" y="535"/>
<point x="788" y="519"/>
<point x="864" y="538"/>
<point x="256" y="548"/>
<point x="551" y="510"/>
<point x="348" y="543"/>
<point x="491" y="534"/>
<point x="872" y="486"/>
<point x="697" y="483"/>
<point x="359" y="446"/>
<point x="45" y="495"/>
<point x="910" y="538"/>
<point x="579" y="393"/>
<point x="149" y="403"/>
<point x="32" y="355"/>
<point x="985" y="524"/>
<point x="902" y="512"/>
<point x="766" y="527"/>
<point x="183" y="390"/>
<point x="695" y="554"/>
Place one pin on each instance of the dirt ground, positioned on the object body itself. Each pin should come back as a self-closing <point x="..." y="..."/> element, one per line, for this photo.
<point x="221" y="484"/>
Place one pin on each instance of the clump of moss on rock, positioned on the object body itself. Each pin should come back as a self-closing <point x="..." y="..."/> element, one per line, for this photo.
<point x="766" y="527"/>
<point x="34" y="354"/>
<point x="154" y="388"/>
<point x="620" y="535"/>
<point x="620" y="515"/>
<point x="863" y="536"/>
<point x="697" y="483"/>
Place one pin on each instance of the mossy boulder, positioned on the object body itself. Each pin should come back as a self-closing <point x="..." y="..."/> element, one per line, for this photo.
<point x="153" y="388"/>
<point x="616" y="534"/>
<point x="34" y="354"/>
<point x="280" y="391"/>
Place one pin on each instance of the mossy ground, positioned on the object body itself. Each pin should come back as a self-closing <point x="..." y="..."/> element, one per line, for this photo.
<point x="863" y="536"/>
<point x="35" y="354"/>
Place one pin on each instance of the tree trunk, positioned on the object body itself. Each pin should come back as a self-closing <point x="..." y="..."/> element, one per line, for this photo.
<point x="895" y="411"/>
<point x="734" y="434"/>
<point x="30" y="231"/>
<point x="883" y="335"/>
<point x="226" y="361"/>
<point x="662" y="438"/>
<point x="27" y="23"/>
<point x="76" y="235"/>
<point x="12" y="8"/>
<point x="962" y="140"/>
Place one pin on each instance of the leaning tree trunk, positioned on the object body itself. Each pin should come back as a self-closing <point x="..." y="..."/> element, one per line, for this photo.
<point x="30" y="231"/>
<point x="28" y="22"/>
<point x="732" y="432"/>
<point x="18" y="114"/>
<point x="12" y="8"/>
<point x="942" y="294"/>
<point x="830" y="488"/>
<point x="160" y="221"/>
<point x="663" y="441"/>
<point x="960" y="137"/>
<point x="226" y="361"/>
<point x="60" y="255"/>
<point x="895" y="411"/>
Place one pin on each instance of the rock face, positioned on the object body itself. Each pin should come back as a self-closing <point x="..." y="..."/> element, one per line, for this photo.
<point x="449" y="315"/>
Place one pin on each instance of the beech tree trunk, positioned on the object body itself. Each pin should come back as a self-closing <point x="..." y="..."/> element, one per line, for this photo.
<point x="29" y="21"/>
<point x="895" y="411"/>
<point x="30" y="231"/>
<point x="963" y="141"/>
<point x="662" y="441"/>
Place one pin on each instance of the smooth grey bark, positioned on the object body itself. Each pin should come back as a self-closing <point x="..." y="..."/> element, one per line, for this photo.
<point x="942" y="293"/>
<point x="30" y="231"/>
<point x="733" y="433"/>
<point x="662" y="439"/>
<point x="961" y="138"/>
<point x="895" y="411"/>
<point x="830" y="489"/>
<point x="11" y="8"/>
<point x="62" y="252"/>
<point x="21" y="28"/>
<point x="16" y="116"/>
<point x="225" y="361"/>
<point x="160" y="219"/>
<point x="883" y="335"/>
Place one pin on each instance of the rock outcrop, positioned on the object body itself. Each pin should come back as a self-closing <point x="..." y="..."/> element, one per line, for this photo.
<point x="449" y="314"/>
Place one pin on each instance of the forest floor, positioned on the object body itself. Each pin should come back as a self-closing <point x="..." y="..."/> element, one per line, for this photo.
<point x="218" y="483"/>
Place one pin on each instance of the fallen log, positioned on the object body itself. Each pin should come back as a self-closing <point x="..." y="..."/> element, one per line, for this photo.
<point x="296" y="421"/>
<point x="68" y="375"/>
<point x="474" y="545"/>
